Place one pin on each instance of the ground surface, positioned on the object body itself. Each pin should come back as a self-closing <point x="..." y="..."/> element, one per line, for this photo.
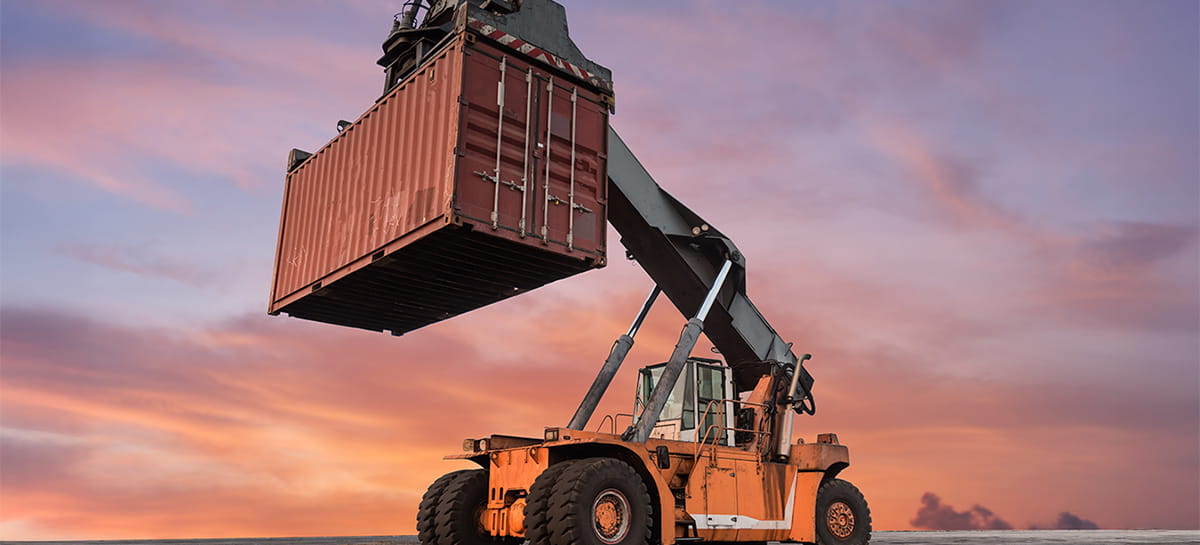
<point x="1013" y="537"/>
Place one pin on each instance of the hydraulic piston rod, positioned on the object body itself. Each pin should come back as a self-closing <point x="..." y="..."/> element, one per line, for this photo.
<point x="640" y="431"/>
<point x="617" y="355"/>
<point x="789" y="415"/>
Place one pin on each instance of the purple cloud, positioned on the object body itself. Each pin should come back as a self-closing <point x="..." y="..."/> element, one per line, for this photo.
<point x="934" y="515"/>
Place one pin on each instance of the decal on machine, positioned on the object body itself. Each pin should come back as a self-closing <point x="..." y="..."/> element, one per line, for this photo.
<point x="527" y="48"/>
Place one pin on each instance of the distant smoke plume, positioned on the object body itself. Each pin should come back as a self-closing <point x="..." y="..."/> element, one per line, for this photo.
<point x="934" y="515"/>
<point x="1069" y="521"/>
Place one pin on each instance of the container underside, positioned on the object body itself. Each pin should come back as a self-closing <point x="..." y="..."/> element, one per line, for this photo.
<point x="448" y="272"/>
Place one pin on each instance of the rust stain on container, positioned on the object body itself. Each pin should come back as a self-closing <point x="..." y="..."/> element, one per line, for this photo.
<point x="480" y="176"/>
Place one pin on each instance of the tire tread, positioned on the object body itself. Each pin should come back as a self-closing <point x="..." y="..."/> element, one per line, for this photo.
<point x="844" y="489"/>
<point x="564" y="528"/>
<point x="450" y="531"/>
<point x="427" y="510"/>
<point x="537" y="504"/>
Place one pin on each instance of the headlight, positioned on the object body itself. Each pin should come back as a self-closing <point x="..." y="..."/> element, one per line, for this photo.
<point x="551" y="434"/>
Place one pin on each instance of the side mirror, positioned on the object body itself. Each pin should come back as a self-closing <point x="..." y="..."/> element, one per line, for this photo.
<point x="664" y="457"/>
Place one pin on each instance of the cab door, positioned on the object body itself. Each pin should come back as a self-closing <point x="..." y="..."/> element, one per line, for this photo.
<point x="765" y="490"/>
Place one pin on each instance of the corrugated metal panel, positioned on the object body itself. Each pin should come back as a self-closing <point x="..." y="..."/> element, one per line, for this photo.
<point x="387" y="174"/>
<point x="401" y="220"/>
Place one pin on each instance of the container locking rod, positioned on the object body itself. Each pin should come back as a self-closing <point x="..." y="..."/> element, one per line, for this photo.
<point x="525" y="168"/>
<point x="549" y="161"/>
<point x="571" y="196"/>
<point x="499" y="141"/>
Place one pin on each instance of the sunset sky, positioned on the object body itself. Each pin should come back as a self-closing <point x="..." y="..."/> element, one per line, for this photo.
<point x="982" y="218"/>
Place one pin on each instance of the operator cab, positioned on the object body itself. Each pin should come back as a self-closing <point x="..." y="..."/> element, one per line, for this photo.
<point x="703" y="393"/>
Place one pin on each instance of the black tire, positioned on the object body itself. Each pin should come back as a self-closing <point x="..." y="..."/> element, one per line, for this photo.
<point x="458" y="510"/>
<point x="599" y="501"/>
<point x="843" y="517"/>
<point x="427" y="511"/>
<point x="537" y="504"/>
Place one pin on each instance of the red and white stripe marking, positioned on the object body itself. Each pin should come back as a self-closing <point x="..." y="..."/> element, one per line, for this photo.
<point x="527" y="48"/>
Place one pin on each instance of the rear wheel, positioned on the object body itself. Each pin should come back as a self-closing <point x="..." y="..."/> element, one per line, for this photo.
<point x="427" y="511"/>
<point x="459" y="508"/>
<point x="599" y="501"/>
<point x="843" y="517"/>
<point x="538" y="503"/>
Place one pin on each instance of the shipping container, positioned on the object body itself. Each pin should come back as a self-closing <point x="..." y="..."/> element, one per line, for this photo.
<point x="480" y="176"/>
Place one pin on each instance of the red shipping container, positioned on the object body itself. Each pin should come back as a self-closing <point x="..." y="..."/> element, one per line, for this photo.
<point x="482" y="175"/>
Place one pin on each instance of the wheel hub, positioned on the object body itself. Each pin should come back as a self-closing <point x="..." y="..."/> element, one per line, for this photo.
<point x="610" y="516"/>
<point x="840" y="520"/>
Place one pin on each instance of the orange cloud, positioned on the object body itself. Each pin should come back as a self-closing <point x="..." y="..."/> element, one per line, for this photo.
<point x="267" y="408"/>
<point x="121" y="432"/>
<point x="966" y="354"/>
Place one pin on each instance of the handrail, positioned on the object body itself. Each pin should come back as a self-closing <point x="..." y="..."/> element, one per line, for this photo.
<point x="612" y="421"/>
<point x="702" y="441"/>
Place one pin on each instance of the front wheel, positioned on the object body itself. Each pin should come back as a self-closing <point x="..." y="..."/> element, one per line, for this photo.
<point x="599" y="501"/>
<point x="843" y="517"/>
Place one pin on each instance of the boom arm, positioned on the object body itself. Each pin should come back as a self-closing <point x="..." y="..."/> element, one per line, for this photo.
<point x="683" y="254"/>
<point x="699" y="269"/>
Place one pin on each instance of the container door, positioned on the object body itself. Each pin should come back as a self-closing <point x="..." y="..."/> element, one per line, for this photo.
<point x="571" y="173"/>
<point x="498" y="139"/>
<point x="531" y="164"/>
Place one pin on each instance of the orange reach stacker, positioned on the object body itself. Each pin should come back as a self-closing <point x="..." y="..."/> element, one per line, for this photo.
<point x="486" y="169"/>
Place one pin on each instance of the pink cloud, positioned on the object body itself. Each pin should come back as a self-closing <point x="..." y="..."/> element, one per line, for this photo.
<point x="1100" y="271"/>
<point x="103" y="135"/>
<point x="138" y="261"/>
<point x="113" y="123"/>
<point x="951" y="186"/>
